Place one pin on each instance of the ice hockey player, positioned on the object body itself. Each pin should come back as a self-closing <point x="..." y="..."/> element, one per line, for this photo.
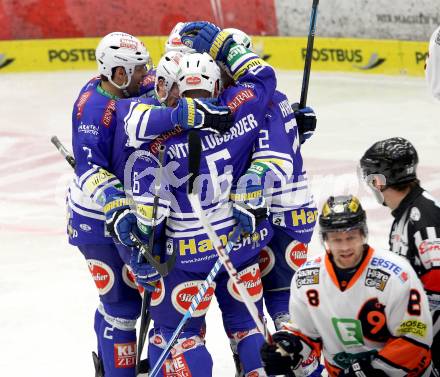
<point x="121" y="62"/>
<point x="277" y="178"/>
<point x="389" y="166"/>
<point x="364" y="309"/>
<point x="223" y="156"/>
<point x="433" y="64"/>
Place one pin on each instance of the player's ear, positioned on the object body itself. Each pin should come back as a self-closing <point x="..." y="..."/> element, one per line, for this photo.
<point x="120" y="76"/>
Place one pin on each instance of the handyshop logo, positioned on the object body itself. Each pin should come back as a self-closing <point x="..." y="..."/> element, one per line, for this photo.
<point x="345" y="56"/>
<point x="4" y="61"/>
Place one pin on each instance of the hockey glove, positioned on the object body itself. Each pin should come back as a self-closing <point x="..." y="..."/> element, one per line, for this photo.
<point x="306" y="121"/>
<point x="362" y="368"/>
<point x="202" y="113"/>
<point x="145" y="274"/>
<point x="249" y="207"/>
<point x="119" y="219"/>
<point x="204" y="36"/>
<point x="284" y="355"/>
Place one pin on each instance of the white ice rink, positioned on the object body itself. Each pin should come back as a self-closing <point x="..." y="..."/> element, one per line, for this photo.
<point x="47" y="296"/>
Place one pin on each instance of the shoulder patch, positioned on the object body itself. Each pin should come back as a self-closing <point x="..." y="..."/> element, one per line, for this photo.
<point x="415" y="214"/>
<point x="240" y="98"/>
<point x="108" y="113"/>
<point x="82" y="100"/>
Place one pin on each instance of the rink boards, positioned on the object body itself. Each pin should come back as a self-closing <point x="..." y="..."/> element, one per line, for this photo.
<point x="390" y="57"/>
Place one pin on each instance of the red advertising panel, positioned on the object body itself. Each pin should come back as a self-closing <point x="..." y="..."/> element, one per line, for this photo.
<point x="31" y="19"/>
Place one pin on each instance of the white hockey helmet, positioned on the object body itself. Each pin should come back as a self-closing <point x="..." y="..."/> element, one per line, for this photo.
<point x="240" y="37"/>
<point x="174" y="42"/>
<point x="119" y="49"/>
<point x="433" y="64"/>
<point x="167" y="69"/>
<point x="199" y="71"/>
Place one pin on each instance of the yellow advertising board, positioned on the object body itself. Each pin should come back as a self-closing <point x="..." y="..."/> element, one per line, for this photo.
<point x="388" y="57"/>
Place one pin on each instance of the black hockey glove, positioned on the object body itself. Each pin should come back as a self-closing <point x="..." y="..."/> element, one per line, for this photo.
<point x="283" y="356"/>
<point x="362" y="368"/>
<point x="306" y="121"/>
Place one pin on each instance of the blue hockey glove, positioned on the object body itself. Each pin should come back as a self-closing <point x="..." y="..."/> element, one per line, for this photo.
<point x="119" y="219"/>
<point x="145" y="274"/>
<point x="204" y="36"/>
<point x="249" y="207"/>
<point x="306" y="121"/>
<point x="202" y="113"/>
<point x="362" y="368"/>
<point x="284" y="355"/>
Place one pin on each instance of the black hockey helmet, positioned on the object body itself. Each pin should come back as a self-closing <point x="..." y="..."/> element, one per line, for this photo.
<point x="395" y="158"/>
<point x="342" y="213"/>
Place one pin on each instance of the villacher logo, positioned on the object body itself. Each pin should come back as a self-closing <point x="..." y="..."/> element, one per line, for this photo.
<point x="374" y="62"/>
<point x="4" y="61"/>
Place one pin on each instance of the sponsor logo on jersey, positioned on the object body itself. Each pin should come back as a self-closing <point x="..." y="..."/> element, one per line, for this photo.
<point x="158" y="141"/>
<point x="251" y="279"/>
<point x="344" y="359"/>
<point x="413" y="327"/>
<point x="266" y="260"/>
<point x="376" y="278"/>
<point x="176" y="367"/>
<point x="157" y="340"/>
<point x="85" y="227"/>
<point x="108" y="113"/>
<point x="205" y="245"/>
<point x="307" y="276"/>
<point x="415" y="214"/>
<point x="4" y="61"/>
<point x="89" y="129"/>
<point x="193" y="80"/>
<point x="428" y="246"/>
<point x="81" y="103"/>
<point x="348" y="331"/>
<point x="128" y="277"/>
<point x="240" y="98"/>
<point x="158" y="294"/>
<point x="387" y="264"/>
<point x="72" y="55"/>
<point x="148" y="79"/>
<point x="304" y="217"/>
<point x="183" y="294"/>
<point x="188" y="343"/>
<point x="102" y="275"/>
<point x="125" y="355"/>
<point x="296" y="254"/>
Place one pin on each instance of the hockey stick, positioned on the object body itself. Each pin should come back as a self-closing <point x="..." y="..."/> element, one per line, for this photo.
<point x="146" y="298"/>
<point x="309" y="53"/>
<point x="195" y="146"/>
<point x="163" y="268"/>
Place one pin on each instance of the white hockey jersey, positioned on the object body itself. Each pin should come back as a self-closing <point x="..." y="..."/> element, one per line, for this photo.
<point x="382" y="314"/>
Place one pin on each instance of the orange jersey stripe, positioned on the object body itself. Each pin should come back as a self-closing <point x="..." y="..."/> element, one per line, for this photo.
<point x="406" y="354"/>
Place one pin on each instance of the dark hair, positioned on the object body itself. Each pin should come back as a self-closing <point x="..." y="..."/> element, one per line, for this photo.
<point x="105" y="78"/>
<point x="405" y="186"/>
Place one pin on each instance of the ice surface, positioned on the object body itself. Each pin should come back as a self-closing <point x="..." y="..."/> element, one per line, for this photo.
<point x="46" y="293"/>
